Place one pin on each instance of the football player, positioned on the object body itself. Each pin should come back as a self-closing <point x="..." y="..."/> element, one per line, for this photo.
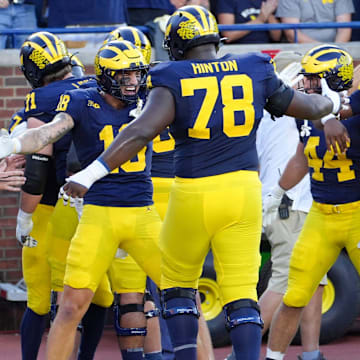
<point x="162" y="175"/>
<point x="44" y="248"/>
<point x="213" y="107"/>
<point x="120" y="266"/>
<point x="119" y="211"/>
<point x="332" y="223"/>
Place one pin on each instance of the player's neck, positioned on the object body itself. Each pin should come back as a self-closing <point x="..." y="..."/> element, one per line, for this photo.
<point x="112" y="101"/>
<point x="202" y="52"/>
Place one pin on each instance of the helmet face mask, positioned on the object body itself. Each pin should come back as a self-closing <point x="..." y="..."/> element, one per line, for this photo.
<point x="330" y="62"/>
<point x="42" y="54"/>
<point x="188" y="27"/>
<point x="117" y="64"/>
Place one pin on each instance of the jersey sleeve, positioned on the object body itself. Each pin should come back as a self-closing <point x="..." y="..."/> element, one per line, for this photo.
<point x="72" y="102"/>
<point x="355" y="102"/>
<point x="272" y="82"/>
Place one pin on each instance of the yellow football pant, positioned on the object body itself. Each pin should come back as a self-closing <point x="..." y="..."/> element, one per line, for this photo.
<point x="327" y="230"/>
<point x="222" y="212"/>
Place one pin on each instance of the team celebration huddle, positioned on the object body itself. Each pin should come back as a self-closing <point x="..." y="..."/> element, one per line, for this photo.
<point x="133" y="174"/>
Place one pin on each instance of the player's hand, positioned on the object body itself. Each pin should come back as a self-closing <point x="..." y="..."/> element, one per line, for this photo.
<point x="76" y="202"/>
<point x="336" y="136"/>
<point x="74" y="189"/>
<point x="12" y="180"/>
<point x="271" y="204"/>
<point x="24" y="226"/>
<point x="7" y="146"/>
<point x="339" y="99"/>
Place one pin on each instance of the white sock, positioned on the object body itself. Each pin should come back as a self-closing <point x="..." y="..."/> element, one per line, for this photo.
<point x="274" y="355"/>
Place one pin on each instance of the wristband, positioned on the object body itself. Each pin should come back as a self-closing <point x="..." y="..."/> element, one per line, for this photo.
<point x="277" y="191"/>
<point x="23" y="215"/>
<point x="93" y="172"/>
<point x="328" y="117"/>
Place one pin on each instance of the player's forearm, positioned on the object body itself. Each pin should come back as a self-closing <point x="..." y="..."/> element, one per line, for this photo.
<point x="29" y="202"/>
<point x="294" y="172"/>
<point x="126" y="145"/>
<point x="310" y="107"/>
<point x="34" y="140"/>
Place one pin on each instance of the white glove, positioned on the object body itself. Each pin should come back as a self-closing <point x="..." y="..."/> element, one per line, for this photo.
<point x="121" y="254"/>
<point x="8" y="145"/>
<point x="290" y="74"/>
<point x="334" y="96"/>
<point x="24" y="226"/>
<point x="77" y="203"/>
<point x="271" y="204"/>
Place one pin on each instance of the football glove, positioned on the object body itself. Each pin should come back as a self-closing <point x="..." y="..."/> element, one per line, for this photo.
<point x="121" y="254"/>
<point x="8" y="145"/>
<point x="24" y="226"/>
<point x="271" y="204"/>
<point x="77" y="203"/>
<point x="334" y="96"/>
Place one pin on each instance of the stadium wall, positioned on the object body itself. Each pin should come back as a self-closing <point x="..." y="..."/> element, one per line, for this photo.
<point x="13" y="88"/>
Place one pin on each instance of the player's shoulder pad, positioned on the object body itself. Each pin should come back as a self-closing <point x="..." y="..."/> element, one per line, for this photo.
<point x="159" y="73"/>
<point x="84" y="82"/>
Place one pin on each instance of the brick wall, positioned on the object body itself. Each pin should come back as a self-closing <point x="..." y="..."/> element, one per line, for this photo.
<point x="13" y="89"/>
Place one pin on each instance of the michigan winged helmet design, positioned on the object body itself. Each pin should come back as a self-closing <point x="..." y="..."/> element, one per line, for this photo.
<point x="187" y="27"/>
<point x="331" y="63"/>
<point x="41" y="54"/>
<point x="119" y="56"/>
<point x="135" y="36"/>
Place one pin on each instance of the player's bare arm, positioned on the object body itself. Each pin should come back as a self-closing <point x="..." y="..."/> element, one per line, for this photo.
<point x="295" y="170"/>
<point x="309" y="106"/>
<point x="33" y="140"/>
<point x="158" y="113"/>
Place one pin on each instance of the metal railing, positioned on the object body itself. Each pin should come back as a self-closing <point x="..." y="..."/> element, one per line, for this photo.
<point x="259" y="27"/>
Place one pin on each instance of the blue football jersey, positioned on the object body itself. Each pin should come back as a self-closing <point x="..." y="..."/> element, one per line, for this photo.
<point x="219" y="104"/>
<point x="355" y="102"/>
<point x="17" y="119"/>
<point x="41" y="104"/>
<point x="51" y="191"/>
<point x="335" y="179"/>
<point x="163" y="155"/>
<point x="96" y="125"/>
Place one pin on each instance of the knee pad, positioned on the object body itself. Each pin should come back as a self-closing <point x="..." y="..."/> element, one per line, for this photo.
<point x="246" y="304"/>
<point x="154" y="312"/>
<point x="177" y="292"/>
<point x="120" y="310"/>
<point x="54" y="306"/>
